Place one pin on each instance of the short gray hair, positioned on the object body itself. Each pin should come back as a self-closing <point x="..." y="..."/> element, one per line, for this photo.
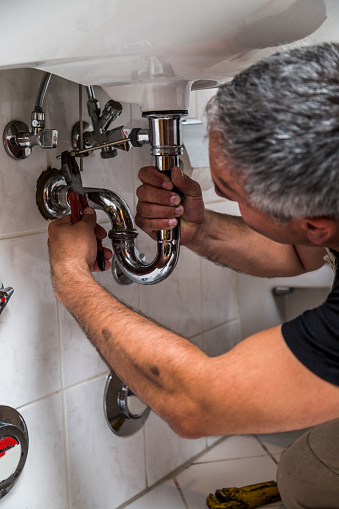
<point x="279" y="121"/>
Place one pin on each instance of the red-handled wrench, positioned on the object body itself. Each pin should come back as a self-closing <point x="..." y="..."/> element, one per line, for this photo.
<point x="78" y="202"/>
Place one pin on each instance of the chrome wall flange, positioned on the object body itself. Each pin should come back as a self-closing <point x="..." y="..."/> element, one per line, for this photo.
<point x="125" y="413"/>
<point x="10" y="140"/>
<point x="52" y="195"/>
<point x="13" y="448"/>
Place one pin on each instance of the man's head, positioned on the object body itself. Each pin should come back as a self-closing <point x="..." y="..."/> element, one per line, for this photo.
<point x="278" y="126"/>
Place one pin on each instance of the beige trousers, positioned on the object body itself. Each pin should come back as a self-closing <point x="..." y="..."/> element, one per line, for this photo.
<point x="308" y="472"/>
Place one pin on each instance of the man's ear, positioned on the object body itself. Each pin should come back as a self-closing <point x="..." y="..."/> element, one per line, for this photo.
<point x="319" y="230"/>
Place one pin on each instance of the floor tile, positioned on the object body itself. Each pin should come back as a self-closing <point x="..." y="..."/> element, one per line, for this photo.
<point x="198" y="481"/>
<point x="277" y="442"/>
<point x="165" y="496"/>
<point x="233" y="448"/>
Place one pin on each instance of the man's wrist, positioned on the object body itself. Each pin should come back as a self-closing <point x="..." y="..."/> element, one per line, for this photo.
<point x="66" y="278"/>
<point x="201" y="235"/>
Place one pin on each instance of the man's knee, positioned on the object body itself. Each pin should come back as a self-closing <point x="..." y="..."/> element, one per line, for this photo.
<point x="288" y="477"/>
<point x="308" y="472"/>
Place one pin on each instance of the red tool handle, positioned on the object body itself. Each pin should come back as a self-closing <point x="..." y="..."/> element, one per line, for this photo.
<point x="78" y="203"/>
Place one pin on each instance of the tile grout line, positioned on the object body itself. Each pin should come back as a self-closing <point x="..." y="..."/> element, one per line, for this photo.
<point x="235" y="319"/>
<point x="235" y="458"/>
<point x="22" y="234"/>
<point x="236" y="295"/>
<point x="202" y="333"/>
<point x="180" y="492"/>
<point x="64" y="419"/>
<point x="138" y="286"/>
<point x="47" y="396"/>
<point x="145" y="455"/>
<point x="266" y="449"/>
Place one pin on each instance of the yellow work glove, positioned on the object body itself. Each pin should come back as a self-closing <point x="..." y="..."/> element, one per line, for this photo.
<point x="246" y="497"/>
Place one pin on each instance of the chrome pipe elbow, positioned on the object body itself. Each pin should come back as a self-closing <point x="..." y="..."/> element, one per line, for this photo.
<point x="123" y="235"/>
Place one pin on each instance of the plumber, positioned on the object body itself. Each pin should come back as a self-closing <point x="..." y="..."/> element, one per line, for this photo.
<point x="274" y="149"/>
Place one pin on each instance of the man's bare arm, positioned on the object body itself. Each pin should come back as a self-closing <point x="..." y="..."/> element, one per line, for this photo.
<point x="257" y="387"/>
<point x="230" y="242"/>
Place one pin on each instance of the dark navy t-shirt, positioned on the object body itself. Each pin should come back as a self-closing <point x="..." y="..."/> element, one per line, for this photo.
<point x="313" y="337"/>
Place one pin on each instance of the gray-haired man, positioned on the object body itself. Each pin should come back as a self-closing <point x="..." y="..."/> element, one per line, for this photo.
<point x="274" y="148"/>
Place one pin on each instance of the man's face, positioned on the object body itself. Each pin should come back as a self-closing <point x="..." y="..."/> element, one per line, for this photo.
<point x="232" y="188"/>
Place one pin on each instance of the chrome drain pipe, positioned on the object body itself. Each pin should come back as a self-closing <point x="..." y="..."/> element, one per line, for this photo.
<point x="165" y="137"/>
<point x="123" y="234"/>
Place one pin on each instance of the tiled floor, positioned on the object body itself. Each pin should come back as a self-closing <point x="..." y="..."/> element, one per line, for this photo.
<point x="236" y="461"/>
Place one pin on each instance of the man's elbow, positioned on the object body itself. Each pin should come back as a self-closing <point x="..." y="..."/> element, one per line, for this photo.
<point x="189" y="423"/>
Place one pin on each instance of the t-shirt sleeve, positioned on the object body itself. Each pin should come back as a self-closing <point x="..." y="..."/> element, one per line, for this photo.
<point x="313" y="338"/>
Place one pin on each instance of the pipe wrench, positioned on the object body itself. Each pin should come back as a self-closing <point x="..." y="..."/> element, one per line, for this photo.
<point x="77" y="197"/>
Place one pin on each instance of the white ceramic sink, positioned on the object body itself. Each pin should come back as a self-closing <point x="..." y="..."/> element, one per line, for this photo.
<point x="152" y="52"/>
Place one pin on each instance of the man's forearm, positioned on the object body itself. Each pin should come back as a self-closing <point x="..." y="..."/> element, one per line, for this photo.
<point x="228" y="240"/>
<point x="151" y="360"/>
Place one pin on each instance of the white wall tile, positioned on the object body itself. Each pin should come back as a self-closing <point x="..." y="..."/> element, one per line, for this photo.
<point x="219" y="295"/>
<point x="105" y="470"/>
<point x="29" y="332"/>
<point x="176" y="302"/>
<point x="43" y="479"/>
<point x="165" y="450"/>
<point x="221" y="339"/>
<point x="80" y="358"/>
<point x="219" y="302"/>
<point x="258" y="309"/>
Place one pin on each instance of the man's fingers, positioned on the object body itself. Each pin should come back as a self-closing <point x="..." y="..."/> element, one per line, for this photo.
<point x="185" y="184"/>
<point x="89" y="216"/>
<point x="100" y="232"/>
<point x="152" y="225"/>
<point x="96" y="268"/>
<point x="108" y="253"/>
<point x="150" y="175"/>
<point x="151" y="211"/>
<point x="151" y="194"/>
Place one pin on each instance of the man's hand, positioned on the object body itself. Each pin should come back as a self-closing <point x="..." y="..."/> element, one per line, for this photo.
<point x="159" y="205"/>
<point x="73" y="247"/>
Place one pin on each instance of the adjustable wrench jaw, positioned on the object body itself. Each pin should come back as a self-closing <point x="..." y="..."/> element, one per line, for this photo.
<point x="71" y="173"/>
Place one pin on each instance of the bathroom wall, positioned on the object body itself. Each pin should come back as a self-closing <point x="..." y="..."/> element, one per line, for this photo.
<point x="49" y="371"/>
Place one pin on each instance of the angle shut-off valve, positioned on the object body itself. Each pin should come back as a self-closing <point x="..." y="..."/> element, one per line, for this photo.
<point x="19" y="139"/>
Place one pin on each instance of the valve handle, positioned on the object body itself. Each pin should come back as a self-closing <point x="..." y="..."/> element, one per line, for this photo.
<point x="5" y="295"/>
